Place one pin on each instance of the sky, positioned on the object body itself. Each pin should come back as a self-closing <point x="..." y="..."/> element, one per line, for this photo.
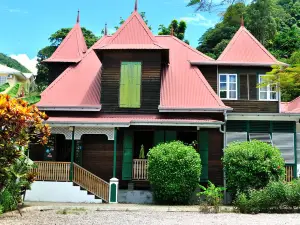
<point x="29" y="23"/>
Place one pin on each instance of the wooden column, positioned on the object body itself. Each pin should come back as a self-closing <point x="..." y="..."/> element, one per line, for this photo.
<point x="72" y="154"/>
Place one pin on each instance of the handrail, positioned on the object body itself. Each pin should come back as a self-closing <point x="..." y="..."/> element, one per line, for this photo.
<point x="91" y="182"/>
<point x="139" y="169"/>
<point x="52" y="171"/>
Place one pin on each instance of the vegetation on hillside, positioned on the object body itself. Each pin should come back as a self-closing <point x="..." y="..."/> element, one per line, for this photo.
<point x="12" y="63"/>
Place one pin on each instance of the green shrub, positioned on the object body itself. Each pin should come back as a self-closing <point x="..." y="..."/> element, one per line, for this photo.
<point x="174" y="170"/>
<point x="275" y="197"/>
<point x="251" y="165"/>
<point x="7" y="201"/>
<point x="211" y="196"/>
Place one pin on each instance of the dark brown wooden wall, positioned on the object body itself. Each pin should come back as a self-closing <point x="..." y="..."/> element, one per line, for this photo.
<point x="215" y="153"/>
<point x="242" y="104"/>
<point x="55" y="69"/>
<point x="110" y="80"/>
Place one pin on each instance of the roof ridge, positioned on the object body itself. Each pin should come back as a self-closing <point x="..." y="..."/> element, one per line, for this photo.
<point x="190" y="47"/>
<point x="260" y="45"/>
<point x="63" y="74"/>
<point x="211" y="91"/>
<point x="231" y="42"/>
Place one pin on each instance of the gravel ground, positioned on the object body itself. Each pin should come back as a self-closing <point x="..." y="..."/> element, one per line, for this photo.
<point x="82" y="216"/>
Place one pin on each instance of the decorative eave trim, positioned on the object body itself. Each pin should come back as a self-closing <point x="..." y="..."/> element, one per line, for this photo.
<point x="165" y="109"/>
<point x="71" y="108"/>
<point x="264" y="116"/>
<point x="86" y="124"/>
<point x="181" y="124"/>
<point x="216" y="63"/>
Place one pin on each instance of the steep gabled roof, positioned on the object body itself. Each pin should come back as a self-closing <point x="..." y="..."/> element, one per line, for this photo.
<point x="245" y="48"/>
<point x="183" y="86"/>
<point x="72" y="47"/>
<point x="78" y="87"/>
<point x="290" y="107"/>
<point x="133" y="34"/>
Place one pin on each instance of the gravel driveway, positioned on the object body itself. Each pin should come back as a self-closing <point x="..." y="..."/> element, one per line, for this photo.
<point x="82" y="216"/>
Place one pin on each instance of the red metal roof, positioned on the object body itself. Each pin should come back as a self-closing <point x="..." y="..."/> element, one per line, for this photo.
<point x="129" y="119"/>
<point x="72" y="48"/>
<point x="78" y="85"/>
<point x="133" y="34"/>
<point x="244" y="47"/>
<point x="183" y="86"/>
<point x="290" y="107"/>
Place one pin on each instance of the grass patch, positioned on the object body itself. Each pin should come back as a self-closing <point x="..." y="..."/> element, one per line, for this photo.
<point x="67" y="211"/>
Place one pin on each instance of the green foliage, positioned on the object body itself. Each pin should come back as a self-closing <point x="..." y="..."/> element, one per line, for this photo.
<point x="178" y="29"/>
<point x="3" y="87"/>
<point x="14" y="91"/>
<point x="251" y="165"/>
<point x="209" y="5"/>
<point x="12" y="63"/>
<point x="142" y="152"/>
<point x="32" y="99"/>
<point x="212" y="195"/>
<point x="275" y="197"/>
<point x="173" y="170"/>
<point x="7" y="200"/>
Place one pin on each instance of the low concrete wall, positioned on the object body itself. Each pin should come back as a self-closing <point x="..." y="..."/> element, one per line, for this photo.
<point x="58" y="192"/>
<point x="135" y="196"/>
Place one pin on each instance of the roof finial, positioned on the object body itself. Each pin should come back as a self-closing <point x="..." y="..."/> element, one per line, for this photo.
<point x="105" y="29"/>
<point x="242" y="21"/>
<point x="136" y="5"/>
<point x="78" y="16"/>
<point x="172" y="31"/>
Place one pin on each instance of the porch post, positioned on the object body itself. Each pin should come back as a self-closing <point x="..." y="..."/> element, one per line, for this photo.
<point x="72" y="154"/>
<point x="115" y="153"/>
<point x="114" y="182"/>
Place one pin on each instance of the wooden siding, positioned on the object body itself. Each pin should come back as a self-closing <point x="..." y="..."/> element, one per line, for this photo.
<point x="250" y="106"/>
<point x="215" y="153"/>
<point x="55" y="69"/>
<point x="110" y="80"/>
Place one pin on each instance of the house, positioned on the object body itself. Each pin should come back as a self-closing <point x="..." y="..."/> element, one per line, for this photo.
<point x="13" y="77"/>
<point x="134" y="88"/>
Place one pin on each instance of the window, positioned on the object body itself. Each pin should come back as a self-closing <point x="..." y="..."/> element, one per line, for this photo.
<point x="268" y="92"/>
<point x="3" y="79"/>
<point x="264" y="137"/>
<point x="228" y="86"/>
<point x="130" y="85"/>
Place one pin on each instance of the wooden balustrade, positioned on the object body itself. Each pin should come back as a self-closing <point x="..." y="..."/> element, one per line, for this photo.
<point x="289" y="173"/>
<point x="91" y="182"/>
<point x="139" y="169"/>
<point x="52" y="171"/>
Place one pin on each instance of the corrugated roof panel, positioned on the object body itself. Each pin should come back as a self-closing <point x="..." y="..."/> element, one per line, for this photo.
<point x="290" y="107"/>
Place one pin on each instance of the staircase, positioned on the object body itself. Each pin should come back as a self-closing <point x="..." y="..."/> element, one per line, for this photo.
<point x="60" y="171"/>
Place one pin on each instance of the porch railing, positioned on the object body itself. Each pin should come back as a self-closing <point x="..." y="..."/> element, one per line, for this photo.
<point x="289" y="173"/>
<point x="91" y="182"/>
<point x="139" y="169"/>
<point x="52" y="171"/>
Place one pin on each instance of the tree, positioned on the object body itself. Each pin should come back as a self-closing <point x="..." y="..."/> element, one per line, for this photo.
<point x="55" y="40"/>
<point x="260" y="20"/>
<point x="209" y="5"/>
<point x="178" y="29"/>
<point x="20" y="124"/>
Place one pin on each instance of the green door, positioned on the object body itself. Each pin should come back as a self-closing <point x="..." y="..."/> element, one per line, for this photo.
<point x="170" y="135"/>
<point x="159" y="137"/>
<point x="127" y="155"/>
<point x="203" y="150"/>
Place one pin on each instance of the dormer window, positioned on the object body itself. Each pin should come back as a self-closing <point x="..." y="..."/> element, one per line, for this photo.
<point x="228" y="86"/>
<point x="269" y="92"/>
<point x="130" y="85"/>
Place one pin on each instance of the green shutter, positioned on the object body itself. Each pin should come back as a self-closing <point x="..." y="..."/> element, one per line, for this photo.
<point x="130" y="85"/>
<point x="203" y="150"/>
<point x="159" y="137"/>
<point x="170" y="135"/>
<point x="127" y="155"/>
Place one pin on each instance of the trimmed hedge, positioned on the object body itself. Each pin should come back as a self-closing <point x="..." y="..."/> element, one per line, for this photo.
<point x="174" y="172"/>
<point x="275" y="197"/>
<point x="251" y="165"/>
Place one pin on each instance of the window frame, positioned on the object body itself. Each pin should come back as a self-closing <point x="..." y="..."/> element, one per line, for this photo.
<point x="5" y="78"/>
<point x="268" y="91"/>
<point x="119" y="95"/>
<point x="227" y="85"/>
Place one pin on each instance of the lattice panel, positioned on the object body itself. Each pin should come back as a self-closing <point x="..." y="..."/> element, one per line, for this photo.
<point x="79" y="131"/>
<point x="285" y="143"/>
<point x="62" y="130"/>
